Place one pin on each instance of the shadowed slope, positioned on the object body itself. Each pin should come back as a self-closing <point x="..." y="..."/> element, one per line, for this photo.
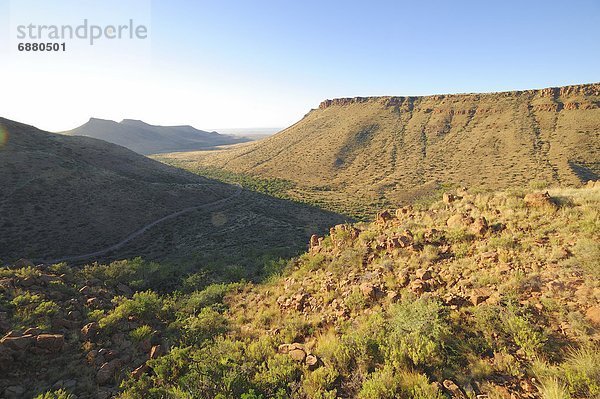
<point x="63" y="197"/>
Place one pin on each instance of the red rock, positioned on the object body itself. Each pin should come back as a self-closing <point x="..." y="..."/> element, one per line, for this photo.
<point x="538" y="200"/>
<point x="479" y="296"/>
<point x="107" y="371"/>
<point x="18" y="343"/>
<point x="593" y="315"/>
<point x="138" y="372"/>
<point x="383" y="217"/>
<point x="312" y="362"/>
<point x="156" y="352"/>
<point x="297" y="354"/>
<point x="368" y="290"/>
<point x="32" y="331"/>
<point x="454" y="390"/>
<point x="90" y="330"/>
<point x="479" y="227"/>
<point x="50" y="342"/>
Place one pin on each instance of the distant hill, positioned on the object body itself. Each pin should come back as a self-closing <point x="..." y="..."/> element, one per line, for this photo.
<point x="65" y="196"/>
<point x="150" y="139"/>
<point x="358" y="154"/>
<point x="251" y="133"/>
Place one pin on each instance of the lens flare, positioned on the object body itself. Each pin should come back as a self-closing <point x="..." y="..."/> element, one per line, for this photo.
<point x="3" y="136"/>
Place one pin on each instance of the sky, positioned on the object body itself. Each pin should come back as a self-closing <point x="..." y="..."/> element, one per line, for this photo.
<point x="249" y="64"/>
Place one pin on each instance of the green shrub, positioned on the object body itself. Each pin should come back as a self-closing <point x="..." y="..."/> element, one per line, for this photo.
<point x="392" y="384"/>
<point x="312" y="262"/>
<point x="582" y="372"/>
<point x="276" y="375"/>
<point x="211" y="295"/>
<point x="218" y="370"/>
<point x="587" y="256"/>
<point x="207" y="324"/>
<point x="523" y="333"/>
<point x="59" y="394"/>
<point x="32" y="309"/>
<point x="381" y="384"/>
<point x="321" y="383"/>
<point x="141" y="333"/>
<point x="144" y="305"/>
<point x="417" y="332"/>
<point x="553" y="388"/>
<point x="356" y="301"/>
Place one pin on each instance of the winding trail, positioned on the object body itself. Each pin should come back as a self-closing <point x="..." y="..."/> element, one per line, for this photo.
<point x="145" y="228"/>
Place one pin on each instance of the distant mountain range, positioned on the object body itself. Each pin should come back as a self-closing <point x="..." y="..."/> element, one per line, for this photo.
<point x="146" y="139"/>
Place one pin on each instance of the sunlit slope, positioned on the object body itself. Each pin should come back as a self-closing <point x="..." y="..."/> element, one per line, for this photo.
<point x="379" y="150"/>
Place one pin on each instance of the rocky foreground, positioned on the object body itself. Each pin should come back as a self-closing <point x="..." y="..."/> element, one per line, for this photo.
<point x="476" y="296"/>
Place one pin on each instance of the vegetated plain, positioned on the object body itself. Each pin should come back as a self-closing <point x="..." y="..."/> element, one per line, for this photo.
<point x="358" y="155"/>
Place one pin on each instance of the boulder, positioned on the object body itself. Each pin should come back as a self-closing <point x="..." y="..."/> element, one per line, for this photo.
<point x="297" y="354"/>
<point x="479" y="296"/>
<point x="156" y="351"/>
<point x="138" y="372"/>
<point x="449" y="198"/>
<point x="479" y="227"/>
<point x="454" y="390"/>
<point x="400" y="212"/>
<point x="283" y="349"/>
<point x="107" y="371"/>
<point x="90" y="330"/>
<point x="368" y="290"/>
<point x="384" y="217"/>
<point x="18" y="343"/>
<point x="423" y="274"/>
<point x="418" y="286"/>
<point x="593" y="315"/>
<point x="312" y="362"/>
<point x="51" y="342"/>
<point x="314" y="241"/>
<point x="393" y="296"/>
<point x="459" y="221"/>
<point x="108" y="354"/>
<point x="537" y="200"/>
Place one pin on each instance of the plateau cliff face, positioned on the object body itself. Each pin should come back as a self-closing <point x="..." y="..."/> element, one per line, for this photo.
<point x="353" y="152"/>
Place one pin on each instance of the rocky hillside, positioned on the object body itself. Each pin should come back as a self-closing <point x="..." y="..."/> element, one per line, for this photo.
<point x="355" y="155"/>
<point x="486" y="296"/>
<point x="144" y="138"/>
<point x="63" y="197"/>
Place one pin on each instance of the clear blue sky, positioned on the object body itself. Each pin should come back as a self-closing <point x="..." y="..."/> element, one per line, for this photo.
<point x="266" y="63"/>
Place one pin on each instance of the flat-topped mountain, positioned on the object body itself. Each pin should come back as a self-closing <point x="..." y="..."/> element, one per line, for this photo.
<point x="357" y="154"/>
<point x="150" y="139"/>
<point x="64" y="196"/>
